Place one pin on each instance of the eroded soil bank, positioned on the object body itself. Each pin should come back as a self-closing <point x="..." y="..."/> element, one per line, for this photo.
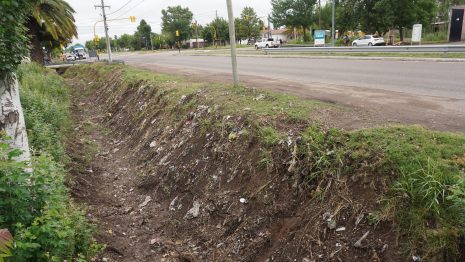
<point x="170" y="177"/>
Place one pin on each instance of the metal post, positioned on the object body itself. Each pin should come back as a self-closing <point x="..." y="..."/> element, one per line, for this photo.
<point x="197" y="34"/>
<point x="106" y="30"/>
<point x="333" y="27"/>
<point x="232" y="39"/>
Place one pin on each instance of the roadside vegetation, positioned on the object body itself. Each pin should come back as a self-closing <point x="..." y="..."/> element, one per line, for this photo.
<point x="423" y="171"/>
<point x="35" y="206"/>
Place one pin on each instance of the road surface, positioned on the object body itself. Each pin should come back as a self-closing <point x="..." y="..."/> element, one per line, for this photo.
<point x="424" y="92"/>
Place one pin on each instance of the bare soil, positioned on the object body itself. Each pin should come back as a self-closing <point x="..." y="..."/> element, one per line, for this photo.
<point x="161" y="190"/>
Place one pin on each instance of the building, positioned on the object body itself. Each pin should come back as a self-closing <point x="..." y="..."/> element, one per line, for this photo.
<point x="457" y="24"/>
<point x="196" y="43"/>
<point x="283" y="34"/>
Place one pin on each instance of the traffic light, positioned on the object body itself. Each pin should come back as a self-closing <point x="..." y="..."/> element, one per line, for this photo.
<point x="96" y="39"/>
<point x="177" y="33"/>
<point x="133" y="19"/>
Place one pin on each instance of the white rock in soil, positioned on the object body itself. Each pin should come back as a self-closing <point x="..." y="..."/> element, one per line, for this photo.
<point x="173" y="203"/>
<point x="194" y="211"/>
<point x="153" y="144"/>
<point x="146" y="201"/>
<point x="340" y="229"/>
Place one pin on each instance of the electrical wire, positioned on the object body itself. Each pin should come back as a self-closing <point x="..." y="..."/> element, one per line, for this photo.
<point x="127" y="3"/>
<point x="131" y="9"/>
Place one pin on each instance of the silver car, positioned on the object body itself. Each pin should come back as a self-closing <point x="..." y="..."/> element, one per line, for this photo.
<point x="369" y="40"/>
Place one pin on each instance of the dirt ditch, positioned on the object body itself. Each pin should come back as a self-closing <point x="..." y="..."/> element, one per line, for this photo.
<point x="161" y="189"/>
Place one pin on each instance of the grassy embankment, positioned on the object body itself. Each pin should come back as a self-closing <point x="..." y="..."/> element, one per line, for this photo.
<point x="425" y="194"/>
<point x="36" y="207"/>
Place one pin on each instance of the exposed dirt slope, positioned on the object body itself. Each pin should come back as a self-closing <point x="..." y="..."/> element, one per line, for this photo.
<point x="164" y="186"/>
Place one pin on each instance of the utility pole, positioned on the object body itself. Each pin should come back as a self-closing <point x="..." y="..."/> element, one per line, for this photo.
<point x="232" y="39"/>
<point x="269" y="28"/>
<point x="103" y="6"/>
<point x="197" y="34"/>
<point x="216" y="29"/>
<point x="333" y="29"/>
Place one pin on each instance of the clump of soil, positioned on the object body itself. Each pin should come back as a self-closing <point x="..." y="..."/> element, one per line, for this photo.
<point x="163" y="186"/>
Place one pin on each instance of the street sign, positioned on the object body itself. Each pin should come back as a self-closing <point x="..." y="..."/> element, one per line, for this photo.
<point x="416" y="33"/>
<point x="320" y="36"/>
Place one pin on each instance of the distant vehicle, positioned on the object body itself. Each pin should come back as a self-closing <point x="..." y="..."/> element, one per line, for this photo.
<point x="369" y="40"/>
<point x="80" y="53"/>
<point x="70" y="57"/>
<point x="266" y="43"/>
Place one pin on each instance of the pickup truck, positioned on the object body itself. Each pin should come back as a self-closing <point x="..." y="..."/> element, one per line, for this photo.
<point x="266" y="43"/>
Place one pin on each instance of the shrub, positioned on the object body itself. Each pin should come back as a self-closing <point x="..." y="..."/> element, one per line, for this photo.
<point x="35" y="206"/>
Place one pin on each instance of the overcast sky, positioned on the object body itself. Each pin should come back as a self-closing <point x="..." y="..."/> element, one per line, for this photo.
<point x="150" y="10"/>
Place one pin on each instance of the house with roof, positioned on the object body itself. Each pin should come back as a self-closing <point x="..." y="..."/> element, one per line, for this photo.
<point x="283" y="34"/>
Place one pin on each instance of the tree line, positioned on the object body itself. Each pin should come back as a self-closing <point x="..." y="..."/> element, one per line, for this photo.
<point x="365" y="15"/>
<point x="369" y="16"/>
<point x="178" y="18"/>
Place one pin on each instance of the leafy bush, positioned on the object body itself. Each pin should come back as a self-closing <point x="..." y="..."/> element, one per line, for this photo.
<point x="35" y="206"/>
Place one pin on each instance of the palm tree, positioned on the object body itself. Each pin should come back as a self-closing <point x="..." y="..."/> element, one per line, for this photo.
<point x="52" y="21"/>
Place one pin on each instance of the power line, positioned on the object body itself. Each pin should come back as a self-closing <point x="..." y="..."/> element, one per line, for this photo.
<point x="131" y="9"/>
<point x="128" y="2"/>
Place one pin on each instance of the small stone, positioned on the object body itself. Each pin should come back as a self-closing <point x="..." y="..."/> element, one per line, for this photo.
<point x="416" y="258"/>
<point x="194" y="211"/>
<point x="260" y="97"/>
<point x="340" y="229"/>
<point x="146" y="201"/>
<point x="153" y="144"/>
<point x="173" y="204"/>
<point x="154" y="241"/>
<point x="243" y="200"/>
<point x="104" y="259"/>
<point x="332" y="224"/>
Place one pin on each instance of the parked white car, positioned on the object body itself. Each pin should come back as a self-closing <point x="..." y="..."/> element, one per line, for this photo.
<point x="70" y="57"/>
<point x="369" y="40"/>
<point x="266" y="43"/>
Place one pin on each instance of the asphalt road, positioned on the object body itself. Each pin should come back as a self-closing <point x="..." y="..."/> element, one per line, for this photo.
<point x="443" y="79"/>
<point x="411" y="92"/>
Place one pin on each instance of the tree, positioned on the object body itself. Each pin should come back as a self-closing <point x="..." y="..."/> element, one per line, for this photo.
<point x="216" y="30"/>
<point x="143" y="33"/>
<point x="249" y="24"/>
<point x="13" y="48"/>
<point x="125" y="41"/>
<point x="293" y="13"/>
<point x="50" y="20"/>
<point x="403" y="13"/>
<point x="176" y="18"/>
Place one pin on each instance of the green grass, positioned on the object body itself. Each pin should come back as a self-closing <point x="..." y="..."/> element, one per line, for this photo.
<point x="35" y="206"/>
<point x="424" y="170"/>
<point x="45" y="103"/>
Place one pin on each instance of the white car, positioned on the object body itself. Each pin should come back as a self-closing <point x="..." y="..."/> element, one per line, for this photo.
<point x="70" y="57"/>
<point x="369" y="40"/>
<point x="266" y="43"/>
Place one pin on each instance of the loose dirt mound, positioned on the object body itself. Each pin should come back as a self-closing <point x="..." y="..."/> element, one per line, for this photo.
<point x="171" y="182"/>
